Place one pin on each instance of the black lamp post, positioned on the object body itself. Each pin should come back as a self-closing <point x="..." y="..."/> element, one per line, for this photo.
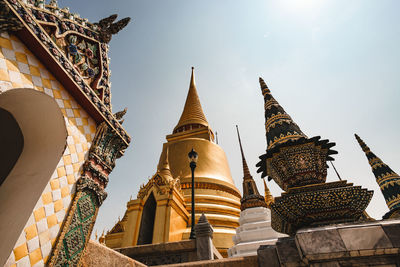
<point x="192" y="163"/>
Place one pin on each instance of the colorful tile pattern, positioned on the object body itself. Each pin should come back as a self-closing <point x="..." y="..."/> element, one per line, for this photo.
<point x="19" y="68"/>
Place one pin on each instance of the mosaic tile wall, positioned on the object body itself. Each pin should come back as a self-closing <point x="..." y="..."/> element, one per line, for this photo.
<point x="19" y="68"/>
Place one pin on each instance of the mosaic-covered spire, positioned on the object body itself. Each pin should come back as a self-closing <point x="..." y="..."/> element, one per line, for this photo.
<point x="387" y="179"/>
<point x="251" y="197"/>
<point x="192" y="114"/>
<point x="279" y="126"/>
<point x="292" y="159"/>
<point x="269" y="199"/>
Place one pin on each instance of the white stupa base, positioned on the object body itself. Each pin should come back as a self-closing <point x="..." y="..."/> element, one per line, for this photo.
<point x="254" y="230"/>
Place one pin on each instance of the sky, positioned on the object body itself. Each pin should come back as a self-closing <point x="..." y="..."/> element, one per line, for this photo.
<point x="333" y="65"/>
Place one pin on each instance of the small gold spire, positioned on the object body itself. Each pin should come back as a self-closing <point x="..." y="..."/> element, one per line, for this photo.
<point x="165" y="170"/>
<point x="192" y="112"/>
<point x="269" y="199"/>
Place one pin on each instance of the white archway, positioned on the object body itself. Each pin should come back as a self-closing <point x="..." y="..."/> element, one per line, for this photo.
<point x="44" y="138"/>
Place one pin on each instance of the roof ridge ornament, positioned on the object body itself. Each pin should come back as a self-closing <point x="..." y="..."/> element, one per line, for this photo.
<point x="107" y="27"/>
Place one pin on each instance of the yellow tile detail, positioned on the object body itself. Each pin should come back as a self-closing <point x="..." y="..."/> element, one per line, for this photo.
<point x="61" y="171"/>
<point x="20" y="252"/>
<point x="76" y="166"/>
<point x="5" y="43"/>
<point x="80" y="128"/>
<point x="46" y="83"/>
<point x="57" y="94"/>
<point x="67" y="104"/>
<point x="35" y="256"/>
<point x="51" y="220"/>
<point x="4" y="75"/>
<point x="26" y="78"/>
<point x="81" y="156"/>
<point x="39" y="88"/>
<point x="77" y="140"/>
<point x="34" y="71"/>
<point x="39" y="214"/>
<point x="31" y="232"/>
<point x="17" y="85"/>
<point x="47" y="198"/>
<point x="21" y="57"/>
<point x="67" y="159"/>
<point x="92" y="129"/>
<point x="76" y="113"/>
<point x="71" y="178"/>
<point x="64" y="191"/>
<point x="55" y="184"/>
<point x="58" y="205"/>
<point x="88" y="137"/>
<point x="12" y="65"/>
<point x="44" y="237"/>
<point x="84" y="121"/>
<point x="63" y="112"/>
<point x="72" y="149"/>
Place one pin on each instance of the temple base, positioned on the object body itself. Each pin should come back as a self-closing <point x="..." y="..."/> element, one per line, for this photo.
<point x="319" y="204"/>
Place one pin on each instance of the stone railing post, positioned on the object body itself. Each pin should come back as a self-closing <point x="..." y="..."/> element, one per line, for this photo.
<point x="204" y="235"/>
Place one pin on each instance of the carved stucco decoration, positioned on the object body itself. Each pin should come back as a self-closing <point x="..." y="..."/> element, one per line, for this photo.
<point x="106" y="147"/>
<point x="41" y="21"/>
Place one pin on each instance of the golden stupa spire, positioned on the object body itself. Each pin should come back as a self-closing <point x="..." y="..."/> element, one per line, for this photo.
<point x="164" y="169"/>
<point x="192" y="112"/>
<point x="269" y="199"/>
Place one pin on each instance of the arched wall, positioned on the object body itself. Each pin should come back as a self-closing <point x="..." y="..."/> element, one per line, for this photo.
<point x="11" y="143"/>
<point x="44" y="132"/>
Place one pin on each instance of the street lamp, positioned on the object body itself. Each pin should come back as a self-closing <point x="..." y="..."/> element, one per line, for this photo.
<point x="192" y="163"/>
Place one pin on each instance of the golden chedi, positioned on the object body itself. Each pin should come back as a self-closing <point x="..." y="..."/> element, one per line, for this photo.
<point x="161" y="212"/>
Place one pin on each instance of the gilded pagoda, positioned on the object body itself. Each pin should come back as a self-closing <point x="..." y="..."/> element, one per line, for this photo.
<point x="161" y="212"/>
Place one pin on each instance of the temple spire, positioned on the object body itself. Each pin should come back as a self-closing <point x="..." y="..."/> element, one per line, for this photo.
<point x="192" y="115"/>
<point x="387" y="179"/>
<point x="164" y="169"/>
<point x="269" y="199"/>
<point x="279" y="126"/>
<point x="246" y="172"/>
<point x="251" y="197"/>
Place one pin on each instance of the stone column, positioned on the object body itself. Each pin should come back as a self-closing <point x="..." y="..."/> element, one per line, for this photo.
<point x="204" y="235"/>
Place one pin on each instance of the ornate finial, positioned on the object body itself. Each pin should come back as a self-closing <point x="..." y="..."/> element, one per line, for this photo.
<point x="102" y="238"/>
<point x="203" y="218"/>
<point x="192" y="114"/>
<point x="165" y="169"/>
<point x="387" y="179"/>
<point x="120" y="114"/>
<point x="108" y="28"/>
<point x="269" y="199"/>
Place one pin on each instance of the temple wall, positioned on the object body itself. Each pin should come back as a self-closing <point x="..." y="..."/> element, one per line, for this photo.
<point x="19" y="68"/>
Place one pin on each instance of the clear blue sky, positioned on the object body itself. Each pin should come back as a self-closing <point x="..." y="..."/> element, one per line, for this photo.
<point x="333" y="65"/>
